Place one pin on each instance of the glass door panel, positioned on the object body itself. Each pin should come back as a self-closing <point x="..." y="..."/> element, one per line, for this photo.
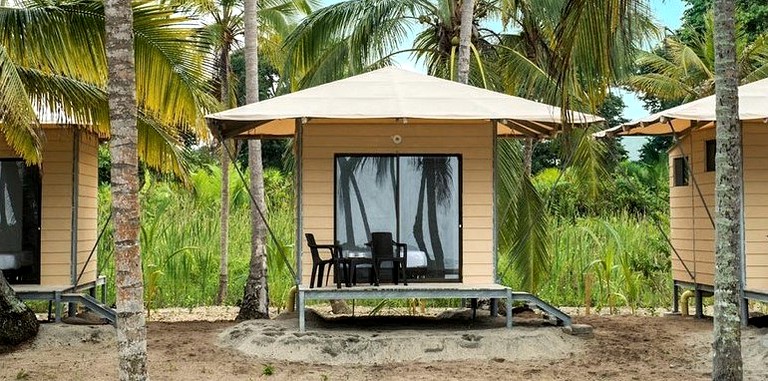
<point x="429" y="214"/>
<point x="365" y="199"/>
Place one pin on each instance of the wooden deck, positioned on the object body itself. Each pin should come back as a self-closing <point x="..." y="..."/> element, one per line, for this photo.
<point x="58" y="294"/>
<point x="426" y="291"/>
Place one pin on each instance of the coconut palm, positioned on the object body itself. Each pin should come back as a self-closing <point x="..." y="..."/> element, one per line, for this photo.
<point x="56" y="61"/>
<point x="222" y="36"/>
<point x="352" y="37"/>
<point x="570" y="52"/>
<point x="55" y="57"/>
<point x="681" y="73"/>
<point x="123" y="110"/>
<point x="727" y="364"/>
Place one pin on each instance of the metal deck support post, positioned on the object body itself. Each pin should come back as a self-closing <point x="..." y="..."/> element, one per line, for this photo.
<point x="494" y="307"/>
<point x="509" y="308"/>
<point x="699" y="304"/>
<point x="301" y="311"/>
<point x="675" y="297"/>
<point x="744" y="311"/>
<point x="104" y="293"/>
<point x="57" y="301"/>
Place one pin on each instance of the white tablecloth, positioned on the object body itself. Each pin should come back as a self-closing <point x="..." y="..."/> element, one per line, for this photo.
<point x="416" y="258"/>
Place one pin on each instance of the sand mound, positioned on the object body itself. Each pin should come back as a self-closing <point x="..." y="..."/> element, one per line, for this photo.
<point x="385" y="340"/>
<point x="63" y="335"/>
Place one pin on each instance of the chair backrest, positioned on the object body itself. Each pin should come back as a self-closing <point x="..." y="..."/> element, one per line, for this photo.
<point x="382" y="245"/>
<point x="313" y="247"/>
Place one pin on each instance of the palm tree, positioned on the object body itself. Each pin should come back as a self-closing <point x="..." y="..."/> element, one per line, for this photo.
<point x="221" y="36"/>
<point x="355" y="36"/>
<point x="54" y="60"/>
<point x="727" y="364"/>
<point x="255" y="304"/>
<point x="121" y="90"/>
<point x="466" y="27"/>
<point x="680" y="73"/>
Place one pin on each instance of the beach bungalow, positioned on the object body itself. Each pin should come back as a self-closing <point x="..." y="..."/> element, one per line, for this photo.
<point x="402" y="153"/>
<point x="692" y="190"/>
<point x="48" y="217"/>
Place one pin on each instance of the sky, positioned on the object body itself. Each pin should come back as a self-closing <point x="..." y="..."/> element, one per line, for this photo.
<point x="668" y="13"/>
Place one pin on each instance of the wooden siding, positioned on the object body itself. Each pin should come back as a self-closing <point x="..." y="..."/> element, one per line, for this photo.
<point x="321" y="140"/>
<point x="87" y="224"/>
<point x="692" y="233"/>
<point x="755" y="144"/>
<point x="56" y="213"/>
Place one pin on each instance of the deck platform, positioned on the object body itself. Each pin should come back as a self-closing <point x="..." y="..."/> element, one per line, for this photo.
<point x="58" y="294"/>
<point x="426" y="291"/>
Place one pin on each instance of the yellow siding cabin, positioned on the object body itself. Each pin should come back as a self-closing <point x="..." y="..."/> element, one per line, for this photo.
<point x="692" y="202"/>
<point x="403" y="153"/>
<point x="692" y="191"/>
<point x="48" y="217"/>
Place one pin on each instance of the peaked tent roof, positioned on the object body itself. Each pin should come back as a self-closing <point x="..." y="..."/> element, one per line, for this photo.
<point x="753" y="101"/>
<point x="392" y="93"/>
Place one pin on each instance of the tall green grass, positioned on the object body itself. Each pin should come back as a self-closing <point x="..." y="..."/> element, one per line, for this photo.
<point x="180" y="231"/>
<point x="626" y="255"/>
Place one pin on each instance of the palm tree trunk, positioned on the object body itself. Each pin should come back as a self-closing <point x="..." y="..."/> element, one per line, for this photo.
<point x="121" y="89"/>
<point x="465" y="39"/>
<point x="727" y="363"/>
<point x="255" y="303"/>
<point x="528" y="156"/>
<point x="18" y="323"/>
<point x="224" y="239"/>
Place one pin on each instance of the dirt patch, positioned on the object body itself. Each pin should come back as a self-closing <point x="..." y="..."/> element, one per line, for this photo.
<point x="623" y="348"/>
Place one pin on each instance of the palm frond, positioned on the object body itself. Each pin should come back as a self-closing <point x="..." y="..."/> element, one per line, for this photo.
<point x="523" y="235"/>
<point x="17" y="117"/>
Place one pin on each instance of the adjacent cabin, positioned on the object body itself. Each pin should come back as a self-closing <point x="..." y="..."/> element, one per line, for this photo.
<point x="692" y="189"/>
<point x="692" y="206"/>
<point x="48" y="213"/>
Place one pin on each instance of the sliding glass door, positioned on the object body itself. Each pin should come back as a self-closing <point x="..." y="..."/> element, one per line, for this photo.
<point x="415" y="197"/>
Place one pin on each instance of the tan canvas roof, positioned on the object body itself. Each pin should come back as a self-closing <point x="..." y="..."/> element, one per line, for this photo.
<point x="392" y="93"/>
<point x="753" y="105"/>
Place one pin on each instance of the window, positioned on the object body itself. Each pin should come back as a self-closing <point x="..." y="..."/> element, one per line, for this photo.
<point x="711" y="149"/>
<point x="415" y="197"/>
<point x="680" y="171"/>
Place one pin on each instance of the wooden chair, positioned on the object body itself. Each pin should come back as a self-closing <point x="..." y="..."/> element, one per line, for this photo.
<point x="318" y="263"/>
<point x="384" y="249"/>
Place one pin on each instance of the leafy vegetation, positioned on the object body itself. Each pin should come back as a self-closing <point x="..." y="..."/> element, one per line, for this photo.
<point x="179" y="238"/>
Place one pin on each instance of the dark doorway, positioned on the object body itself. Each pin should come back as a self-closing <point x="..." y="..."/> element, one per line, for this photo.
<point x="20" y="200"/>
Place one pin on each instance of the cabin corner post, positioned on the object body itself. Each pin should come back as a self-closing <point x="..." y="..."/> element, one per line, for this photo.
<point x="743" y="233"/>
<point x="494" y="213"/>
<point x="298" y="144"/>
<point x="75" y="204"/>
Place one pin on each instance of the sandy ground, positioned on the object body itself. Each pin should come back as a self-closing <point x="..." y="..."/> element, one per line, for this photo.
<point x="386" y="348"/>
